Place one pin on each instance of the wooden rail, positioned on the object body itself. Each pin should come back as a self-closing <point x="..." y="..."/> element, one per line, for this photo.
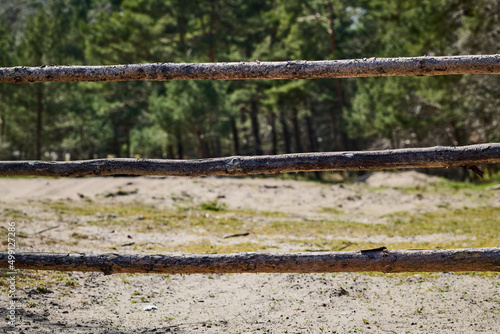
<point x="300" y="69"/>
<point x="388" y="261"/>
<point x="438" y="156"/>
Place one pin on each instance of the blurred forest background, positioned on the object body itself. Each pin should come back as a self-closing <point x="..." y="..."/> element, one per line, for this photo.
<point x="199" y="119"/>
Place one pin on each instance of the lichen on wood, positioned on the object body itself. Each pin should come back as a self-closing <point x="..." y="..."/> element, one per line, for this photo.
<point x="297" y="69"/>
<point x="430" y="157"/>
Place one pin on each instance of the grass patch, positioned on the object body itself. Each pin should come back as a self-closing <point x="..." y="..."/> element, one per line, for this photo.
<point x="445" y="185"/>
<point x="150" y="219"/>
<point x="89" y="209"/>
<point x="477" y="227"/>
<point x="15" y="215"/>
<point x="214" y="205"/>
<point x="330" y="210"/>
<point x="482" y="223"/>
<point x="41" y="281"/>
<point x="79" y="236"/>
<point x="207" y="247"/>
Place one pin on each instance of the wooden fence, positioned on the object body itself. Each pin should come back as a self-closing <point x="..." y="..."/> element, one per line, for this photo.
<point x="481" y="259"/>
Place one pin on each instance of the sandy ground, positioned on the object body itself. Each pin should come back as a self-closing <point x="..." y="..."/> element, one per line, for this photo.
<point x="245" y="303"/>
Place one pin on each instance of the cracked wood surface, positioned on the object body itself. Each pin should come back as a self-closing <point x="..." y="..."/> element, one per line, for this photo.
<point x="389" y="261"/>
<point x="297" y="69"/>
<point x="431" y="157"/>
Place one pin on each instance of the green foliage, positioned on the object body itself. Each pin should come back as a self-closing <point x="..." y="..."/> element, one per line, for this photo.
<point x="205" y="119"/>
<point x="190" y="108"/>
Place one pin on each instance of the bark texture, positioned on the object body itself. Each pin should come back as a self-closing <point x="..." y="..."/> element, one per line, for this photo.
<point x="300" y="69"/>
<point x="444" y="260"/>
<point x="430" y="157"/>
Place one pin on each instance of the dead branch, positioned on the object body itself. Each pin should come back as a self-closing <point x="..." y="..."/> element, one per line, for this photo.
<point x="301" y="69"/>
<point x="47" y="229"/>
<point x="429" y="157"/>
<point x="443" y="260"/>
<point x="236" y="235"/>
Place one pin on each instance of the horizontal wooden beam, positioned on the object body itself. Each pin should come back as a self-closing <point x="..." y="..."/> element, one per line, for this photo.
<point x="300" y="69"/>
<point x="429" y="157"/>
<point x="388" y="261"/>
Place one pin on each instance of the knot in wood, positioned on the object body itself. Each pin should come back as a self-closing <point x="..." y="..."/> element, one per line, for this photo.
<point x="233" y="165"/>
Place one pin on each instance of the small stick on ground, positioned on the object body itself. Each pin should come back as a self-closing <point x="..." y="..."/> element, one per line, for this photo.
<point x="47" y="229"/>
<point x="236" y="235"/>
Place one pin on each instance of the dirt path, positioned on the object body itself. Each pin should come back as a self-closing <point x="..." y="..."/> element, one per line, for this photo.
<point x="173" y="215"/>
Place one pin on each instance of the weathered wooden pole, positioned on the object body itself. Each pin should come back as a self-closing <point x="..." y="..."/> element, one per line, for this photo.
<point x="300" y="69"/>
<point x="429" y="157"/>
<point x="388" y="261"/>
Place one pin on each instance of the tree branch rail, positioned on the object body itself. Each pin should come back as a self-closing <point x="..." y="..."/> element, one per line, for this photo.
<point x="299" y="69"/>
<point x="387" y="261"/>
<point x="430" y="157"/>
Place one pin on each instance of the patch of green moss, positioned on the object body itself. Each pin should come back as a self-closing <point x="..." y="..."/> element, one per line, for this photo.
<point x="334" y="211"/>
<point x="42" y="281"/>
<point x="482" y="222"/>
<point x="477" y="227"/>
<point x="214" y="205"/>
<point x="79" y="236"/>
<point x="14" y="215"/>
<point x="207" y="247"/>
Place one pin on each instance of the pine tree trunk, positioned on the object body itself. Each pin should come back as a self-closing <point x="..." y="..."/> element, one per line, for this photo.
<point x="39" y="121"/>
<point x="181" y="20"/>
<point x="344" y="142"/>
<point x="274" y="135"/>
<point x="202" y="145"/>
<point x="3" y="126"/>
<point x="311" y="134"/>
<point x="341" y="138"/>
<point x="331" y="28"/>
<point x="286" y="133"/>
<point x="180" y="148"/>
<point x="116" y="139"/>
<point x="297" y="132"/>
<point x="127" y="139"/>
<point x="217" y="149"/>
<point x="334" y="146"/>
<point x="255" y="127"/>
<point x="236" y="140"/>
<point x="170" y="151"/>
